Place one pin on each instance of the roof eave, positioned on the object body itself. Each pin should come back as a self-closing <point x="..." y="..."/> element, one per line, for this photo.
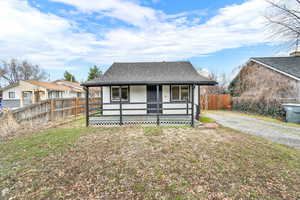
<point x="150" y="83"/>
<point x="271" y="67"/>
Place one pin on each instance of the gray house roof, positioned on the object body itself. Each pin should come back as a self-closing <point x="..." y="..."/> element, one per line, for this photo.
<point x="141" y="73"/>
<point x="289" y="66"/>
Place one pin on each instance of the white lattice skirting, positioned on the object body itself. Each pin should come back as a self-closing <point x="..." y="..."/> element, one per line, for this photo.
<point x="139" y="120"/>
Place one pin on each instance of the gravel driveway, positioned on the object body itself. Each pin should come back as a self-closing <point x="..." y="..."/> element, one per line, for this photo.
<point x="275" y="132"/>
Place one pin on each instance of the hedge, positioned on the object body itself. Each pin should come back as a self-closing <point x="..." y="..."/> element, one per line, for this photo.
<point x="262" y="106"/>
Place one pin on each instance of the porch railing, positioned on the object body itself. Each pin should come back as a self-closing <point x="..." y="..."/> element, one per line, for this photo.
<point x="121" y="108"/>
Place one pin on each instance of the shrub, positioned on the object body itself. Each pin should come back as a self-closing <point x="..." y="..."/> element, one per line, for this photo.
<point x="261" y="106"/>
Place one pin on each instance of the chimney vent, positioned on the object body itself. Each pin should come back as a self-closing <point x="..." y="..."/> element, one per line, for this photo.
<point x="295" y="53"/>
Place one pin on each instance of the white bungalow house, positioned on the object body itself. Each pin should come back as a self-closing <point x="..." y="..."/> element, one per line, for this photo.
<point x="146" y="93"/>
<point x="31" y="91"/>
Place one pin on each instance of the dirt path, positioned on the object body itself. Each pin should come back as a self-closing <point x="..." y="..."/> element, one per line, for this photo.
<point x="275" y="132"/>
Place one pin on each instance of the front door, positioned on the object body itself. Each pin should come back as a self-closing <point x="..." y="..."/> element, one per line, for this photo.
<point x="152" y="99"/>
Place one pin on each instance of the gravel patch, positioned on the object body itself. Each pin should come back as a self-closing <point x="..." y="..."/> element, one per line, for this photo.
<point x="279" y="133"/>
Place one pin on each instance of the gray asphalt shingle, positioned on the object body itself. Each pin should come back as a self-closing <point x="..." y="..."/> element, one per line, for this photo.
<point x="150" y="72"/>
<point x="289" y="65"/>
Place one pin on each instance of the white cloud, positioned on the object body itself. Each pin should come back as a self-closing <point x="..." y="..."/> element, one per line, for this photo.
<point x="54" y="41"/>
<point x="44" y="38"/>
<point x="124" y="10"/>
<point x="233" y="27"/>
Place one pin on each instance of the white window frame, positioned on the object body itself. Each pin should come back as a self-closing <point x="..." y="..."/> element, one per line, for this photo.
<point x="180" y="97"/>
<point x="13" y="96"/>
<point x="118" y="98"/>
<point x="55" y="94"/>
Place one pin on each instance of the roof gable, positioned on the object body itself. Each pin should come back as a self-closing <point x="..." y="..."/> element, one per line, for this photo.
<point x="74" y="86"/>
<point x="150" y="73"/>
<point x="289" y="66"/>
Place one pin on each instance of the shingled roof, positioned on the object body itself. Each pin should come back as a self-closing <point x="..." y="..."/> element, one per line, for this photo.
<point x="288" y="65"/>
<point x="141" y="73"/>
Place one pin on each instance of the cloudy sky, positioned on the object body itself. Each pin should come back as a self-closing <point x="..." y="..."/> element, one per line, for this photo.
<point x="76" y="34"/>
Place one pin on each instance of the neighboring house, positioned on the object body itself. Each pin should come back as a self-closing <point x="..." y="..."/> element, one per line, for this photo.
<point x="75" y="89"/>
<point x="31" y="91"/>
<point x="269" y="77"/>
<point x="147" y="92"/>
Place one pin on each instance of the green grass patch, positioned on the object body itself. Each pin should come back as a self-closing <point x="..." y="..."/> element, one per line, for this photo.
<point x="153" y="131"/>
<point x="24" y="150"/>
<point x="139" y="188"/>
<point x="205" y="119"/>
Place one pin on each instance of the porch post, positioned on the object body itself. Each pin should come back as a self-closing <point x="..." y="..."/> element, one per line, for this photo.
<point x="187" y="106"/>
<point x="157" y="104"/>
<point x="193" y="88"/>
<point x="120" y="101"/>
<point x="87" y="109"/>
<point x="101" y="101"/>
<point x="199" y="104"/>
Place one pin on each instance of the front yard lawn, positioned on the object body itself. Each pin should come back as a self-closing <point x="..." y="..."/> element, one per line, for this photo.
<point x="147" y="163"/>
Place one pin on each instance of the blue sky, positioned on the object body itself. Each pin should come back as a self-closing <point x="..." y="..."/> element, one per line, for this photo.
<point x="74" y="35"/>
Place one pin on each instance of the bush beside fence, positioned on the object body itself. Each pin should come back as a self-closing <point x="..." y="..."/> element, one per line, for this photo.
<point x="268" y="107"/>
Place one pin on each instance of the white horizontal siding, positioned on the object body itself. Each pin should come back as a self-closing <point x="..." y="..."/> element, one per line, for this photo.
<point x="138" y="94"/>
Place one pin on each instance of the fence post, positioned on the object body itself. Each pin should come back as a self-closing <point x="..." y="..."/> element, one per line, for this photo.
<point x="75" y="107"/>
<point x="62" y="109"/>
<point x="52" y="108"/>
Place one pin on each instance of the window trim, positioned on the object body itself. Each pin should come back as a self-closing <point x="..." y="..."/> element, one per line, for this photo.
<point x="123" y="86"/>
<point x="14" y="95"/>
<point x="180" y="99"/>
<point x="58" y="94"/>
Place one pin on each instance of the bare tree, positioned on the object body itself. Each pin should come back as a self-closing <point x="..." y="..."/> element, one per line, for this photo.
<point x="283" y="18"/>
<point x="221" y="88"/>
<point x="14" y="71"/>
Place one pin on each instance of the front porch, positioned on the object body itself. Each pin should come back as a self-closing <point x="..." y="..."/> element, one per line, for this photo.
<point x="112" y="114"/>
<point x="157" y="107"/>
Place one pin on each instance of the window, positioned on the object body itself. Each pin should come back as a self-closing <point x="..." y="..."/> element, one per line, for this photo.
<point x="175" y="93"/>
<point x="11" y="95"/>
<point x="179" y="92"/>
<point x="184" y="92"/>
<point x="115" y="95"/>
<point x="55" y="94"/>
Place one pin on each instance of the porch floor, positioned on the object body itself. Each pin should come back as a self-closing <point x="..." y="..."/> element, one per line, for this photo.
<point x="147" y="120"/>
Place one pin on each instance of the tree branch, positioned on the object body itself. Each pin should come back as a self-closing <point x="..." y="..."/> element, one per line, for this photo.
<point x="283" y="24"/>
<point x="285" y="9"/>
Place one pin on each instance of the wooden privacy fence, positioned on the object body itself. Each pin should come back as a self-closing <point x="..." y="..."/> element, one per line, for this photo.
<point x="53" y="109"/>
<point x="216" y="102"/>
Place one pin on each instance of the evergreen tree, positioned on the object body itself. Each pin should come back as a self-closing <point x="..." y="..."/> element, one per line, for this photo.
<point x="69" y="77"/>
<point x="94" y="72"/>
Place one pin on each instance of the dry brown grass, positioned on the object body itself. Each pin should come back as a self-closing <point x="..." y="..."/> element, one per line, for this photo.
<point x="160" y="163"/>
